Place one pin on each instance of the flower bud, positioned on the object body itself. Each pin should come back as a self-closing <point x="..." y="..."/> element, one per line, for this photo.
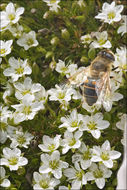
<point x="65" y="34"/>
<point x="52" y="65"/>
<point x="33" y="10"/>
<point x="115" y="165"/>
<point x="54" y="41"/>
<point x="45" y="16"/>
<point x="84" y="59"/>
<point x="21" y="171"/>
<point x="49" y="54"/>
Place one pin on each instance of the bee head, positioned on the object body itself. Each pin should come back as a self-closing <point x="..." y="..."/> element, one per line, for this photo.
<point x="107" y="55"/>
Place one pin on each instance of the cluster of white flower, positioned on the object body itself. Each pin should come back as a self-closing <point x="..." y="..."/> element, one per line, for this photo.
<point x="84" y="159"/>
<point x="9" y="21"/>
<point x="110" y="13"/>
<point x="93" y="124"/>
<point x="31" y="96"/>
<point x="63" y="95"/>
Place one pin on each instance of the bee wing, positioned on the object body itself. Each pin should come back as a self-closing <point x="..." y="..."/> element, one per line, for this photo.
<point x="103" y="89"/>
<point x="79" y="77"/>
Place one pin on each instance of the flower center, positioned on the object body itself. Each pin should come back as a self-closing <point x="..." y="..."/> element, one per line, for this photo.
<point x="61" y="95"/>
<point x="72" y="142"/>
<point x="26" y="92"/>
<point x="111" y="15"/>
<point x="51" y="147"/>
<point x="101" y="41"/>
<point x="105" y="156"/>
<point x="2" y="51"/>
<point x="19" y="70"/>
<point x="74" y="124"/>
<point x="30" y="42"/>
<point x="98" y="173"/>
<point x="3" y="126"/>
<point x="13" y="160"/>
<point x="64" y="69"/>
<point x="43" y="184"/>
<point x="87" y="39"/>
<point x="27" y="110"/>
<point x="21" y="139"/>
<point x="11" y="16"/>
<point x="54" y="164"/>
<point x="86" y="155"/>
<point x="79" y="175"/>
<point x="92" y="125"/>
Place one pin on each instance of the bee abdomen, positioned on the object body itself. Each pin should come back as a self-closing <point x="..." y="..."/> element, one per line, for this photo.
<point x="89" y="92"/>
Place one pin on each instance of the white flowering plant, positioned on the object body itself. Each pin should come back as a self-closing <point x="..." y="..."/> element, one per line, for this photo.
<point x="50" y="136"/>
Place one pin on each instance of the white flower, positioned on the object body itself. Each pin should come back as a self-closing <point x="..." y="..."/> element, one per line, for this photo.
<point x="123" y="29"/>
<point x="72" y="69"/>
<point x="5" y="47"/>
<point x="4" y="24"/>
<point x="41" y="96"/>
<point x="98" y="174"/>
<point x="72" y="122"/>
<point x="12" y="158"/>
<point x="11" y="16"/>
<point x="28" y="40"/>
<point x="104" y="154"/>
<point x="120" y="59"/>
<point x="44" y="181"/>
<point x="94" y="123"/>
<point x="63" y="95"/>
<point x="53" y="4"/>
<point x="17" y="69"/>
<point x="107" y="99"/>
<point x="116" y="79"/>
<point x="67" y="70"/>
<point x="76" y="175"/>
<point x="52" y="164"/>
<point x="26" y="88"/>
<point x="61" y="68"/>
<point x="4" y="113"/>
<point x="102" y="40"/>
<point x="71" y="141"/>
<point x="90" y="109"/>
<point x="26" y="110"/>
<point x="16" y="30"/>
<point x="20" y="138"/>
<point x="122" y="125"/>
<point x="8" y="91"/>
<point x="5" y="131"/>
<point x="81" y="3"/>
<point x="50" y="144"/>
<point x="83" y="156"/>
<point x="86" y="39"/>
<point x="3" y="181"/>
<point x="110" y="13"/>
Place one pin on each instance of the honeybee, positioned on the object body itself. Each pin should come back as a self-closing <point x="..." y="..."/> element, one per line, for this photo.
<point x="94" y="80"/>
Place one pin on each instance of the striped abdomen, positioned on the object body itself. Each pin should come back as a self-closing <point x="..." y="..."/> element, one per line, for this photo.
<point x="89" y="92"/>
